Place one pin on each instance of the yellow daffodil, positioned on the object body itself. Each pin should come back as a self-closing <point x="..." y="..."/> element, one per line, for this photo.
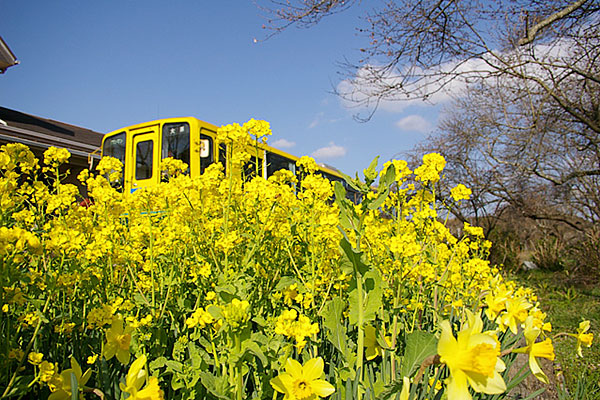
<point x="136" y="377"/>
<point x="118" y="339"/>
<point x="64" y="391"/>
<point x="405" y="389"/>
<point x="473" y="359"/>
<point x="302" y="382"/>
<point x="583" y="338"/>
<point x="515" y="314"/>
<point x="543" y="349"/>
<point x="372" y="348"/>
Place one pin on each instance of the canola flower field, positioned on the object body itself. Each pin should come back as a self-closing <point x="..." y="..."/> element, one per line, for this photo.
<point x="215" y="288"/>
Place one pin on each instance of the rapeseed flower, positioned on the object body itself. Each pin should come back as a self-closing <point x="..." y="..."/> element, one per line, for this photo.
<point x="35" y="358"/>
<point x="472" y="358"/>
<point x="302" y="382"/>
<point x="460" y="192"/>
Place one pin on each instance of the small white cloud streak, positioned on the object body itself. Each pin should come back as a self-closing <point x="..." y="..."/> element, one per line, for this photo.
<point x="283" y="144"/>
<point x="414" y="123"/>
<point x="316" y="121"/>
<point x="329" y="152"/>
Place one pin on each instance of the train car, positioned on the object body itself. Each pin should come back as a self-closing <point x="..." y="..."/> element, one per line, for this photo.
<point x="142" y="147"/>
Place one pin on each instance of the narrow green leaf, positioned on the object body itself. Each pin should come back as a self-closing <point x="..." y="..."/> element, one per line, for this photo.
<point x="74" y="387"/>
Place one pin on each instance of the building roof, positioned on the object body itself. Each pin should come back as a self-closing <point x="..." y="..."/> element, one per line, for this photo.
<point x="16" y="126"/>
<point x="7" y="58"/>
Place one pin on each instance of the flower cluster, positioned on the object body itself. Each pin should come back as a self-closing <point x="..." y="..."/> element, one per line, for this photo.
<point x="212" y="286"/>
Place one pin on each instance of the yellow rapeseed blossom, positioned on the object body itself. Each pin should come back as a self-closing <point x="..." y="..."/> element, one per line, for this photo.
<point x="294" y="325"/>
<point x="35" y="358"/>
<point x="55" y="157"/>
<point x="460" y="192"/>
<point x="429" y="171"/>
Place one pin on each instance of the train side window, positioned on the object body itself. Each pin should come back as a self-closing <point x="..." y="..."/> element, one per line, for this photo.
<point x="275" y="162"/>
<point x="206" y="152"/>
<point x="223" y="156"/>
<point x="250" y="168"/>
<point x="176" y="142"/>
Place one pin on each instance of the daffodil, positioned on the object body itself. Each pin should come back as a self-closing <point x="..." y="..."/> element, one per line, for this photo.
<point x="516" y="313"/>
<point x="405" y="389"/>
<point x="302" y="382"/>
<point x="473" y="359"/>
<point x="372" y="348"/>
<point x="64" y="391"/>
<point x="136" y="377"/>
<point x="543" y="349"/>
<point x="118" y="339"/>
<point x="583" y="338"/>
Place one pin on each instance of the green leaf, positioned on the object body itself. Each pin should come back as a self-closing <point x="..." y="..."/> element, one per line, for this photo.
<point x="217" y="386"/>
<point x="339" y="190"/>
<point x="419" y="346"/>
<point x="354" y="256"/>
<point x="379" y="200"/>
<point x="389" y="177"/>
<point x="174" y="366"/>
<point x="332" y="320"/>
<point x="157" y="363"/>
<point x="20" y="386"/>
<point x="372" y="298"/>
<point x="251" y="347"/>
<point x="373" y="286"/>
<point x="285" y="282"/>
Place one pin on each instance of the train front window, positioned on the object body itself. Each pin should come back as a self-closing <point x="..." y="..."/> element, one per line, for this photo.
<point x="144" y="159"/>
<point x="176" y="141"/>
<point x="114" y="146"/>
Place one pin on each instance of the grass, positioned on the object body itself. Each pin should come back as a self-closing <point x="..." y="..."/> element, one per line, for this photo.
<point x="567" y="302"/>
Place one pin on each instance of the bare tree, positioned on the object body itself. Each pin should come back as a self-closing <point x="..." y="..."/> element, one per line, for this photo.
<point x="518" y="148"/>
<point x="418" y="49"/>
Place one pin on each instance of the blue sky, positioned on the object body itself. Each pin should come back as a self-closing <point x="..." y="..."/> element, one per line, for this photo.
<point x="106" y="64"/>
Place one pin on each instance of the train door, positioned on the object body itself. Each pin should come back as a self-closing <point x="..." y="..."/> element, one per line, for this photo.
<point x="146" y="155"/>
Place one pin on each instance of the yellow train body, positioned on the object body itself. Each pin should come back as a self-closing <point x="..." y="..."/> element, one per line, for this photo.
<point x="142" y="147"/>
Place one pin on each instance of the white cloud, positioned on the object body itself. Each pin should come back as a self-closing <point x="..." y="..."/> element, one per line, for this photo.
<point x="414" y="123"/>
<point x="443" y="82"/>
<point x="283" y="144"/>
<point x="329" y="152"/>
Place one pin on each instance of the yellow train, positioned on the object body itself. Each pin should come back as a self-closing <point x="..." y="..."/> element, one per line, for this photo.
<point x="141" y="148"/>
